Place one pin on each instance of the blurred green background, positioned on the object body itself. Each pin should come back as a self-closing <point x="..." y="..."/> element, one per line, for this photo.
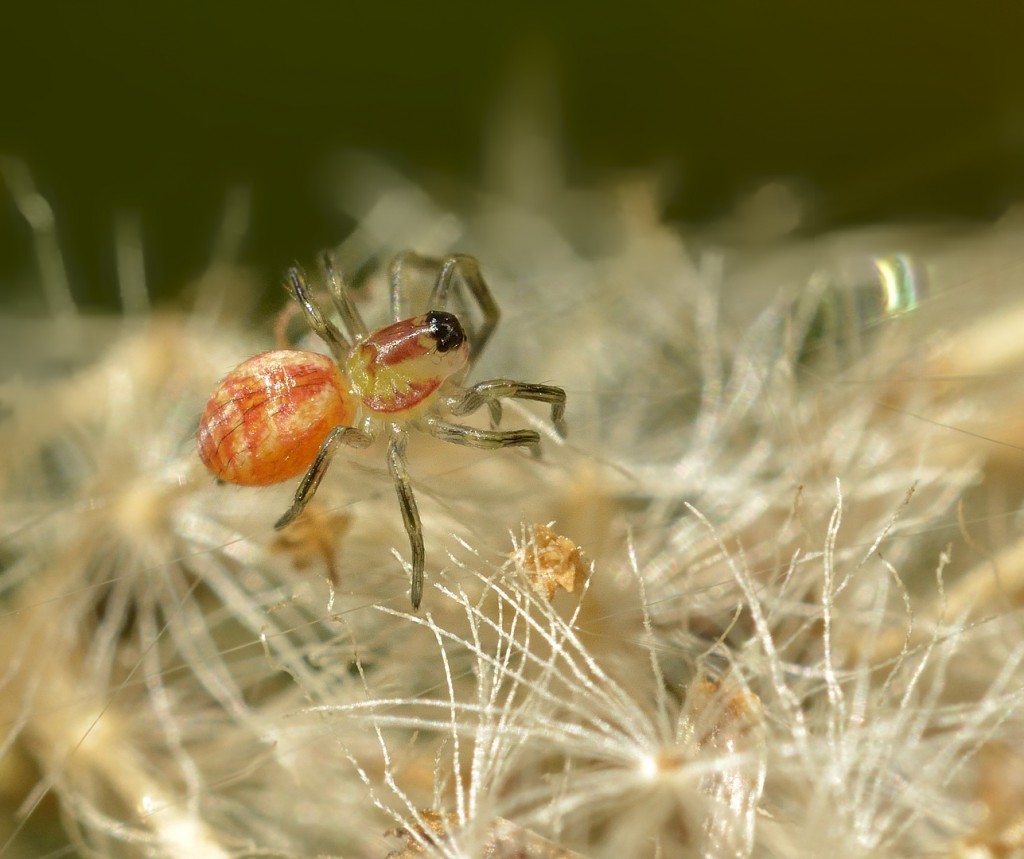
<point x="875" y="110"/>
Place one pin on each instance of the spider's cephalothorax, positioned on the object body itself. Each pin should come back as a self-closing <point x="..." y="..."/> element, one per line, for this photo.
<point x="286" y="412"/>
<point x="399" y="368"/>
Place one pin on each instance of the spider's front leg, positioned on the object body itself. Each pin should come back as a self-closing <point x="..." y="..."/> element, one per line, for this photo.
<point x="491" y="392"/>
<point x="410" y="513"/>
<point x="307" y="487"/>
<point x="483" y="439"/>
<point x="468" y="268"/>
<point x="455" y="266"/>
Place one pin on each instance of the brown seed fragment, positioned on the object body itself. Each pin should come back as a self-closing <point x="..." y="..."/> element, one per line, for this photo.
<point x="314" y="539"/>
<point x="550" y="561"/>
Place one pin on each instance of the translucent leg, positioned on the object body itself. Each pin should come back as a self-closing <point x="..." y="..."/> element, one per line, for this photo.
<point x="485" y="439"/>
<point x="284" y="319"/>
<point x="321" y="325"/>
<point x="468" y="269"/>
<point x="410" y="514"/>
<point x="396" y="296"/>
<point x="491" y="392"/>
<point x="307" y="487"/>
<point x="343" y="302"/>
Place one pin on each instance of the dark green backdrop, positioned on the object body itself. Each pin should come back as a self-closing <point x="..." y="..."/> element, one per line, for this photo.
<point x="881" y="110"/>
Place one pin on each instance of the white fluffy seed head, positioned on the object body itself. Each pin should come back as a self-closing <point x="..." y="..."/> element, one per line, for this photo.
<point x="790" y="639"/>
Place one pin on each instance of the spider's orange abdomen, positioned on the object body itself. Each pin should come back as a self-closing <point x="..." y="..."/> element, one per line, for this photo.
<point x="268" y="417"/>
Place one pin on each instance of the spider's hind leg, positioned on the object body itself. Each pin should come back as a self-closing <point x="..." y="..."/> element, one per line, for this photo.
<point x="321" y="325"/>
<point x="491" y="392"/>
<point x="308" y="486"/>
<point x="342" y="299"/>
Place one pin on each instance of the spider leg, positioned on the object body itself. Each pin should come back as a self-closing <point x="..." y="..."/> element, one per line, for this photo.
<point x="321" y="325"/>
<point x="309" y="483"/>
<point x="281" y="324"/>
<point x="485" y="439"/>
<point x="469" y="270"/>
<point x="342" y="298"/>
<point x="410" y="514"/>
<point x="396" y="295"/>
<point x="491" y="392"/>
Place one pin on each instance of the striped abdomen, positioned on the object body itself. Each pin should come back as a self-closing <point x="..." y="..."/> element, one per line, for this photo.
<point x="267" y="419"/>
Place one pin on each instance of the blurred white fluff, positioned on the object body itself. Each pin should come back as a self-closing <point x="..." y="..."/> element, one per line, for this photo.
<point x="770" y="656"/>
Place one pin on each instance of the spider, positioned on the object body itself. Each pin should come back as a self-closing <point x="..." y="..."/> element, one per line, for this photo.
<point x="286" y="412"/>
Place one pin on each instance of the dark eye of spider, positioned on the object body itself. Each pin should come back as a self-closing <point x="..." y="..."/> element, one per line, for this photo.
<point x="446" y="330"/>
